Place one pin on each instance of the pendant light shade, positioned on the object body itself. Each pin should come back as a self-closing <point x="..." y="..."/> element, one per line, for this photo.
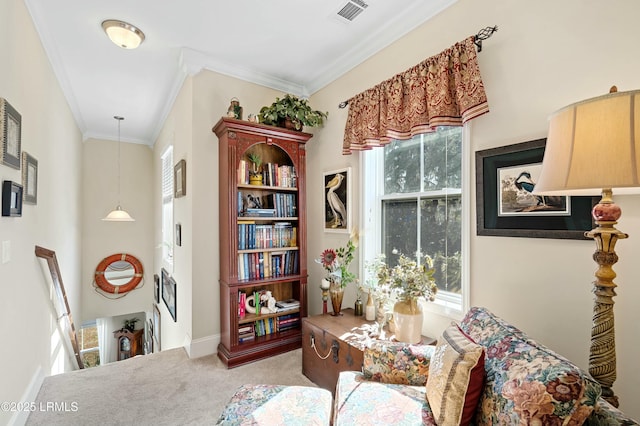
<point x="119" y="215"/>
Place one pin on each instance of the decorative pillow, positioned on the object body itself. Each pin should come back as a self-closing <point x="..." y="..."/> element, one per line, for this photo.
<point x="450" y="375"/>
<point x="398" y="363"/>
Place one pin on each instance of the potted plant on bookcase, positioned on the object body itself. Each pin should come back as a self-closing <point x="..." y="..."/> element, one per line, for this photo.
<point x="255" y="174"/>
<point x="292" y="113"/>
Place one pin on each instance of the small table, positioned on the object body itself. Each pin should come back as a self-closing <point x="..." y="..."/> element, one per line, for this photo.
<point x="331" y="344"/>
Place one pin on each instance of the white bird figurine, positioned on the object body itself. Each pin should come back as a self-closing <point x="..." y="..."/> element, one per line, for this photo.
<point x="337" y="206"/>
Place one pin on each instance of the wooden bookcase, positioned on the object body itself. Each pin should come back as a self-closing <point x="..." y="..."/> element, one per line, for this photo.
<point x="261" y="250"/>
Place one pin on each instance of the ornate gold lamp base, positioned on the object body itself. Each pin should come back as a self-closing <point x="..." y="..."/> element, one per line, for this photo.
<point x="602" y="353"/>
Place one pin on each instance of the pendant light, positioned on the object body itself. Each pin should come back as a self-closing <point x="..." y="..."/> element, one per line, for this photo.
<point x="119" y="215"/>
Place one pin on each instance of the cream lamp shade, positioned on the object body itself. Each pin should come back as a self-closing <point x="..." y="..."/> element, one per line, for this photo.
<point x="123" y="34"/>
<point x="118" y="215"/>
<point x="593" y="144"/>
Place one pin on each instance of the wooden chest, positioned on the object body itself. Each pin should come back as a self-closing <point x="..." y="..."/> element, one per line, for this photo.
<point x="334" y="344"/>
<point x="331" y="345"/>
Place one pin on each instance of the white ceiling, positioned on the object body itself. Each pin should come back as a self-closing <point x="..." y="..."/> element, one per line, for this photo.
<point x="296" y="46"/>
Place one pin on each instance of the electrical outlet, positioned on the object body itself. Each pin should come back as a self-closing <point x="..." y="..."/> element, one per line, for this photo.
<point x="6" y="251"/>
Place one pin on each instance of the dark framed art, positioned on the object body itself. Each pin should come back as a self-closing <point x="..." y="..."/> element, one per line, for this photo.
<point x="169" y="296"/>
<point x="10" y="132"/>
<point x="180" y="179"/>
<point x="505" y="206"/>
<point x="156" y="288"/>
<point x="11" y="198"/>
<point x="178" y="235"/>
<point x="30" y="178"/>
<point x="337" y="200"/>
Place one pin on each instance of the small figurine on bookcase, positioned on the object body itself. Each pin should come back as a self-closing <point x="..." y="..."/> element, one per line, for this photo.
<point x="235" y="110"/>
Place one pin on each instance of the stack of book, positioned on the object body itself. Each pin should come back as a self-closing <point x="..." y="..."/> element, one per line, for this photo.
<point x="246" y="332"/>
<point x="288" y="305"/>
<point x="288" y="321"/>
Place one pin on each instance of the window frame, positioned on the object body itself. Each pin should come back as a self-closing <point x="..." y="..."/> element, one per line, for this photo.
<point x="166" y="200"/>
<point x="449" y="305"/>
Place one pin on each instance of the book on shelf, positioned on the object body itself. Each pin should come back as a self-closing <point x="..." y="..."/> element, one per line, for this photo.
<point x="289" y="303"/>
<point x="260" y="212"/>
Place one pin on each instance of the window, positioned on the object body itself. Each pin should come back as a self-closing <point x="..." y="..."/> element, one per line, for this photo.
<point x="167" y="205"/>
<point x="88" y="342"/>
<point x="418" y="205"/>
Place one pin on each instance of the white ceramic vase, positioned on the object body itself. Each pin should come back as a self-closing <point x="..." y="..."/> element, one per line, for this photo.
<point x="407" y="316"/>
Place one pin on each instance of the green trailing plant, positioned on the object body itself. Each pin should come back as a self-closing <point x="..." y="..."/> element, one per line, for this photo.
<point x="298" y="111"/>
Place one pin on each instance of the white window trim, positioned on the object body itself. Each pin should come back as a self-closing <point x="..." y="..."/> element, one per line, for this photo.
<point x="168" y="261"/>
<point x="447" y="305"/>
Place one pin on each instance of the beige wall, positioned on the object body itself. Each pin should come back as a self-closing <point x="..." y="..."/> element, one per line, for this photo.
<point x="201" y="102"/>
<point x="545" y="55"/>
<point x="101" y="239"/>
<point x="30" y="347"/>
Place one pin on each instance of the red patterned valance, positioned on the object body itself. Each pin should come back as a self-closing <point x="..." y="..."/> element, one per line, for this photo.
<point x="444" y="90"/>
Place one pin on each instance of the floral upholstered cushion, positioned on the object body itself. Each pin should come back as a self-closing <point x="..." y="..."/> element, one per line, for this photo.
<point x="277" y="405"/>
<point x="362" y="402"/>
<point x="527" y="383"/>
<point x="455" y="378"/>
<point x="397" y="363"/>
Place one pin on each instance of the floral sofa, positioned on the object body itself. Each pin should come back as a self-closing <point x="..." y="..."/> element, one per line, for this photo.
<point x="507" y="379"/>
<point x="483" y="371"/>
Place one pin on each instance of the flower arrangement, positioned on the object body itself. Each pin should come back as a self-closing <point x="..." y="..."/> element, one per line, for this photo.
<point x="408" y="279"/>
<point x="336" y="263"/>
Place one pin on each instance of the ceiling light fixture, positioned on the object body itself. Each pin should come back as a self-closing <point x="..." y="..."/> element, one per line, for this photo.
<point x="118" y="215"/>
<point x="123" y="34"/>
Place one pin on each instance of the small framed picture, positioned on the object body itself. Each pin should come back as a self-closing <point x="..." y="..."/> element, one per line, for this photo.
<point x="156" y="288"/>
<point x="11" y="198"/>
<point x="337" y="202"/>
<point x="10" y="132"/>
<point x="169" y="296"/>
<point x="180" y="179"/>
<point x="30" y="178"/>
<point x="178" y="235"/>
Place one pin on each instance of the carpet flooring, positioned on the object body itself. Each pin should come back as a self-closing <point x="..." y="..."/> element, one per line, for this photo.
<point x="165" y="388"/>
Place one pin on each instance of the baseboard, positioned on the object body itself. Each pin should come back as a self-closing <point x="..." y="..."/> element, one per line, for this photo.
<point x="30" y="394"/>
<point x="202" y="346"/>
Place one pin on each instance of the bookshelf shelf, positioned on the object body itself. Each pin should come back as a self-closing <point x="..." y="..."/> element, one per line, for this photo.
<point x="263" y="244"/>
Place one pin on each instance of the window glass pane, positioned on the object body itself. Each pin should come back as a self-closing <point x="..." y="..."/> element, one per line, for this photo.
<point x="440" y="238"/>
<point x="399" y="222"/>
<point x="442" y="159"/>
<point x="402" y="166"/>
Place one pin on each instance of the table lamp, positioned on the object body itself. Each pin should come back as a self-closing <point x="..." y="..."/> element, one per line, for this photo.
<point x="593" y="147"/>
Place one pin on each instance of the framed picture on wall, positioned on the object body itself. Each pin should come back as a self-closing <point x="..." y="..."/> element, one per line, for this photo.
<point x="180" y="179"/>
<point x="169" y="296"/>
<point x="337" y="200"/>
<point x="10" y="133"/>
<point x="505" y="177"/>
<point x="30" y="178"/>
<point x="156" y="288"/>
<point x="11" y="199"/>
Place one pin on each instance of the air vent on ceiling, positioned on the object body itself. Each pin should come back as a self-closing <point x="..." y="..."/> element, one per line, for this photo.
<point x="352" y="9"/>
